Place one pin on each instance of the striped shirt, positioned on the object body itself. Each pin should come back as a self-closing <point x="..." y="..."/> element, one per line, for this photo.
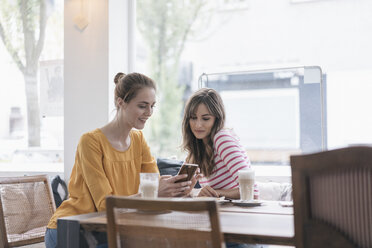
<point x="229" y="158"/>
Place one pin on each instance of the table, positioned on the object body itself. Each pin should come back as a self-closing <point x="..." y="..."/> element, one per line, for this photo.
<point x="267" y="224"/>
<point x="268" y="207"/>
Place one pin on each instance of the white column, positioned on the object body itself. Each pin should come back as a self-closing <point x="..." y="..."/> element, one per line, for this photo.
<point x="121" y="43"/>
<point x="92" y="58"/>
<point x="86" y="74"/>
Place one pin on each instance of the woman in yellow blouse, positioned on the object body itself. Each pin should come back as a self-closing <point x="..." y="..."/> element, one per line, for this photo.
<point x="109" y="159"/>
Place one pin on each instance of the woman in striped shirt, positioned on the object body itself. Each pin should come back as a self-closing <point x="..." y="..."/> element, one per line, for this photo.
<point x="214" y="148"/>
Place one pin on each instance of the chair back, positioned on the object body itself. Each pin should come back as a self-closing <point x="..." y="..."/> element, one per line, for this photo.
<point x="332" y="194"/>
<point x="26" y="206"/>
<point x="162" y="222"/>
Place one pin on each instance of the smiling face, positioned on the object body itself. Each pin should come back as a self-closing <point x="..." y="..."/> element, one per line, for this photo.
<point x="136" y="112"/>
<point x="201" y="122"/>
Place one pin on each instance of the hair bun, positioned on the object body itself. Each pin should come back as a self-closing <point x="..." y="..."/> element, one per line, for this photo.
<point x="118" y="76"/>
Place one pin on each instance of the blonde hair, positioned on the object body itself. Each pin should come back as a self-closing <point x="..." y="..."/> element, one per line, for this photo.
<point x="198" y="152"/>
<point x="127" y="86"/>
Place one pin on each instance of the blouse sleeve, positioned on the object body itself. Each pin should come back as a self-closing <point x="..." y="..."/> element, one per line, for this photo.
<point x="148" y="161"/>
<point x="231" y="152"/>
<point x="89" y="155"/>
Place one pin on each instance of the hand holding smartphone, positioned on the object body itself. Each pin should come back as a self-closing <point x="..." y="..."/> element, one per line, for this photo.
<point x="188" y="169"/>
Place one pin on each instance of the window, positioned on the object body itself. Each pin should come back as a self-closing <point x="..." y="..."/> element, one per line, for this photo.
<point x="190" y="39"/>
<point x="274" y="112"/>
<point x="31" y="92"/>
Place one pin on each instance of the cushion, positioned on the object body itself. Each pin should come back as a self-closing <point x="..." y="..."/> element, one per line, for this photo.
<point x="60" y="191"/>
<point x="40" y="205"/>
<point x="16" y="207"/>
<point x="30" y="234"/>
<point x="273" y="191"/>
<point x="169" y="166"/>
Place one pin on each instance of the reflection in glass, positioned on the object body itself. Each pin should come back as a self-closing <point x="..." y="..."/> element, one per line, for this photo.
<point x="275" y="112"/>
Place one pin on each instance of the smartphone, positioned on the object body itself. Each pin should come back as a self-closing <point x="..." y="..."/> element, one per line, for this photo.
<point x="188" y="169"/>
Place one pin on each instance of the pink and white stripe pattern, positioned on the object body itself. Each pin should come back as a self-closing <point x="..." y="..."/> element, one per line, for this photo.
<point x="229" y="158"/>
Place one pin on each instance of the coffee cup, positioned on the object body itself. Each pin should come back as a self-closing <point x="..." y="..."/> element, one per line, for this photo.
<point x="149" y="184"/>
<point x="246" y="184"/>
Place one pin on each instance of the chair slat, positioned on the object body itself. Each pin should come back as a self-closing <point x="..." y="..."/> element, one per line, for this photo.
<point x="338" y="193"/>
<point x="162" y="222"/>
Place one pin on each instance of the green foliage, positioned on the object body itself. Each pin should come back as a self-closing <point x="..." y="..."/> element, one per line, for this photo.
<point x="11" y="21"/>
<point x="54" y="46"/>
<point x="165" y="26"/>
<point x="22" y="30"/>
<point x="30" y="11"/>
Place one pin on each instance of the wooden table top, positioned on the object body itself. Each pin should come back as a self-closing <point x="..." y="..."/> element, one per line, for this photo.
<point x="266" y="224"/>
<point x="267" y="207"/>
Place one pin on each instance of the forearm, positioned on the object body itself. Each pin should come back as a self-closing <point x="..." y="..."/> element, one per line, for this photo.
<point x="229" y="193"/>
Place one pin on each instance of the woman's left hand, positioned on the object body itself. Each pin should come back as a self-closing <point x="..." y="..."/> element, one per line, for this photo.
<point x="208" y="191"/>
<point x="194" y="180"/>
<point x="169" y="188"/>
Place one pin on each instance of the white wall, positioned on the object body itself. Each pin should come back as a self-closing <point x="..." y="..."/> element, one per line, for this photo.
<point x="92" y="58"/>
<point x="332" y="34"/>
<point x="86" y="74"/>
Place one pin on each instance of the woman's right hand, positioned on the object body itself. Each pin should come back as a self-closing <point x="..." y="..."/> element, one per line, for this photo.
<point x="168" y="187"/>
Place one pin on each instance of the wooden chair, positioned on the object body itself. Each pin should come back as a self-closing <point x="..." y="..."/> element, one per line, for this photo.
<point x="26" y="205"/>
<point x="162" y="222"/>
<point x="332" y="194"/>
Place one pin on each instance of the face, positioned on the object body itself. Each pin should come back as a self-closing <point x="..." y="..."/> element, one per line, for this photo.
<point x="139" y="109"/>
<point x="201" y="122"/>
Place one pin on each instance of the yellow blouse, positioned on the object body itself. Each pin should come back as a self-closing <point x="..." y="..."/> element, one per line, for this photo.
<point x="101" y="170"/>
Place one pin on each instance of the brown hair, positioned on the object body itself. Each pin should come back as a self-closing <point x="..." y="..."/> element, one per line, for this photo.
<point x="127" y="86"/>
<point x="198" y="152"/>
